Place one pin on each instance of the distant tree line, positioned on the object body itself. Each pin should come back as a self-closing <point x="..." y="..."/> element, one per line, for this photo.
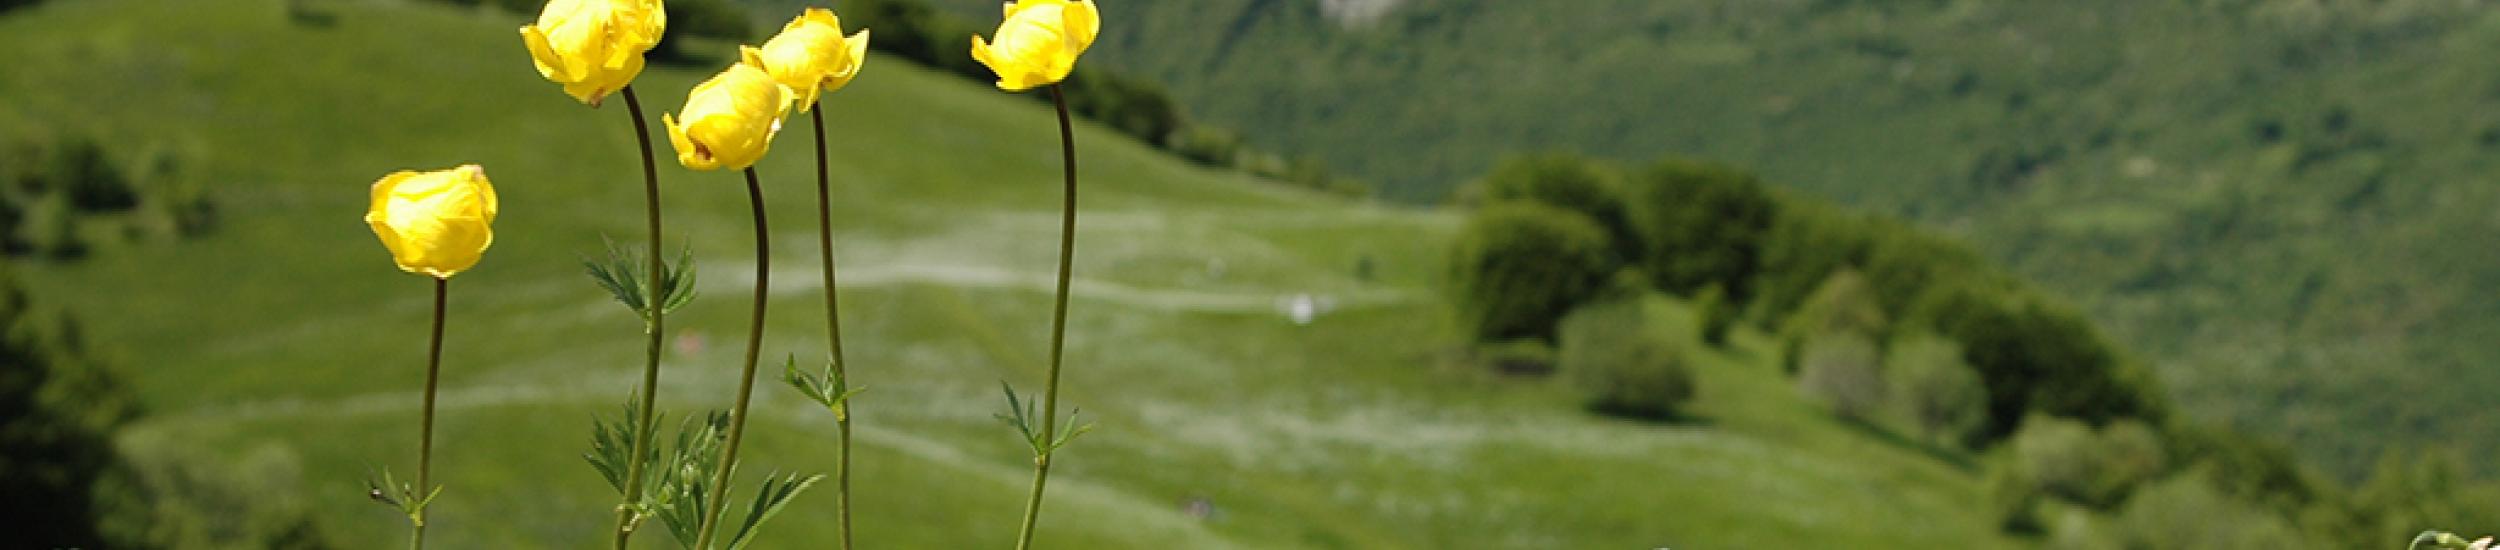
<point x="1896" y="328"/>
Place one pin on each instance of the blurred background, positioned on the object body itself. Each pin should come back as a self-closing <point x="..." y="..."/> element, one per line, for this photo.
<point x="1350" y="274"/>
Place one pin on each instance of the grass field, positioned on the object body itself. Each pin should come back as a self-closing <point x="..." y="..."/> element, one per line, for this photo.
<point x="287" y="331"/>
<point x="2280" y="203"/>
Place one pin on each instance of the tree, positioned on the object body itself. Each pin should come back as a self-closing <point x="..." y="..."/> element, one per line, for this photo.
<point x="1519" y="267"/>
<point x="1933" y="391"/>
<point x="1840" y="369"/>
<point x="1568" y="182"/>
<point x="1701" y="224"/>
<point x="1625" y="361"/>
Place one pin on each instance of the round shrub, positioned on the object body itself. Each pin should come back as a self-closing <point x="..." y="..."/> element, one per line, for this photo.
<point x="1933" y="391"/>
<point x="2069" y="460"/>
<point x="2186" y="511"/>
<point x="1841" y="370"/>
<point x="1701" y="223"/>
<point x="1519" y="267"/>
<point x="1626" y="362"/>
<point x="1569" y="182"/>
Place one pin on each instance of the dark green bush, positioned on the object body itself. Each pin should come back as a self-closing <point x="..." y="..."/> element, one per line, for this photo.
<point x="1701" y="224"/>
<point x="1810" y="241"/>
<point x="1139" y="108"/>
<point x="1569" y="182"/>
<point x="2246" y="468"/>
<point x="1625" y="361"/>
<point x="1519" y="267"/>
<point x="1207" y="145"/>
<point x="1933" y="391"/>
<point x="93" y="182"/>
<point x="2035" y="357"/>
<point x="58" y="410"/>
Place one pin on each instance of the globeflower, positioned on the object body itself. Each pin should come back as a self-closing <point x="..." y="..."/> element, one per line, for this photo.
<point x="729" y="120"/>
<point x="811" y="56"/>
<point x="434" y="223"/>
<point x="594" y="47"/>
<point x="1038" y="43"/>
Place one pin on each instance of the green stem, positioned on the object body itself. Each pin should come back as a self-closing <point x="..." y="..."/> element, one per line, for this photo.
<point x="833" y="337"/>
<point x="425" y="442"/>
<point x="649" y="392"/>
<point x="1058" y="323"/>
<point x="746" y="383"/>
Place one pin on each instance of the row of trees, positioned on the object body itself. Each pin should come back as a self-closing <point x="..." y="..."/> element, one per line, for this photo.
<point x="1899" y="329"/>
<point x="1551" y="233"/>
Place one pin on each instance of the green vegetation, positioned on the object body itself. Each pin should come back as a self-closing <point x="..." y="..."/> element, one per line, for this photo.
<point x="1520" y="266"/>
<point x="2273" y="202"/>
<point x="281" y="347"/>
<point x="1933" y="392"/>
<point x="1141" y="108"/>
<point x="1631" y="356"/>
<point x="59" y="407"/>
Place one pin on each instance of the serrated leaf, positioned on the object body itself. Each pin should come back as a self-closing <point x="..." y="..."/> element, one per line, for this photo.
<point x="678" y="286"/>
<point x="769" y="500"/>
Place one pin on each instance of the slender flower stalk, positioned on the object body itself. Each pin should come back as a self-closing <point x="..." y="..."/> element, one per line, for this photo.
<point x="1058" y="320"/>
<point x="833" y="335"/>
<point x="435" y="224"/>
<point x="654" y="326"/>
<point x="425" y="441"/>
<point x="746" y="380"/>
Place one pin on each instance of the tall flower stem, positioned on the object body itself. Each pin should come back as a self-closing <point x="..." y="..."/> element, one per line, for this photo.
<point x="654" y="300"/>
<point x="833" y="330"/>
<point x="425" y="442"/>
<point x="1058" y="323"/>
<point x="746" y="383"/>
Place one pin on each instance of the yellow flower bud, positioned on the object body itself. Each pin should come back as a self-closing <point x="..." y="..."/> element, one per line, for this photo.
<point x="729" y="120"/>
<point x="811" y="55"/>
<point x="1038" y="42"/>
<point x="435" y="223"/>
<point x="594" y="47"/>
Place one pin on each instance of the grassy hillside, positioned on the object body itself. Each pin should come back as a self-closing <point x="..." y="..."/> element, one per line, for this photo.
<point x="2279" y="201"/>
<point x="286" y="338"/>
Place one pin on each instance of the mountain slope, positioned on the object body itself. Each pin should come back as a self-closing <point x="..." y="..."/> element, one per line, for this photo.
<point x="287" y="333"/>
<point x="2279" y="202"/>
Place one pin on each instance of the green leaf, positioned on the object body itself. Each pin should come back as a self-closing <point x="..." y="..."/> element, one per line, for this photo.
<point x="678" y="286"/>
<point x="621" y="274"/>
<point x="769" y="500"/>
<point x="684" y="484"/>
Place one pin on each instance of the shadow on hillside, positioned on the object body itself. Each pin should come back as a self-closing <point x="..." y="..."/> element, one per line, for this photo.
<point x="1960" y="460"/>
<point x="1641" y="416"/>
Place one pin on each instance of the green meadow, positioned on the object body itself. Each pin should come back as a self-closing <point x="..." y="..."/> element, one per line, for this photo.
<point x="2283" y="205"/>
<point x="285" y="344"/>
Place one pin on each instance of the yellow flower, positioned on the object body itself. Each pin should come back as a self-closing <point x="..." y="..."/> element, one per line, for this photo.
<point x="730" y="119"/>
<point x="1039" y="42"/>
<point x="435" y="223"/>
<point x="811" y="55"/>
<point x="594" y="47"/>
